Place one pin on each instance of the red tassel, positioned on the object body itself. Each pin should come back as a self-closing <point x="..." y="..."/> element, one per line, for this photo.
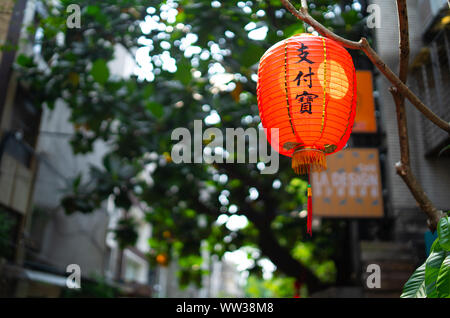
<point x="297" y="286"/>
<point x="309" y="209"/>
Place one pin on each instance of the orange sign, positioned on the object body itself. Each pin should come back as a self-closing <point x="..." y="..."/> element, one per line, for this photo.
<point x="350" y="187"/>
<point x="365" y="108"/>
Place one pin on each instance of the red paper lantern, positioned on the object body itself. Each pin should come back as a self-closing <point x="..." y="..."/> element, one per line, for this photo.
<point x="307" y="89"/>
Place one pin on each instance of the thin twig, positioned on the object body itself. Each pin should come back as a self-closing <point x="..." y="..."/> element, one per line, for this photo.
<point x="364" y="45"/>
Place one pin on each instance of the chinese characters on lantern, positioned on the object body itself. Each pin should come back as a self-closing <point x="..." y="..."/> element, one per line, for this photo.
<point x="309" y="75"/>
<point x="305" y="98"/>
<point x="303" y="54"/>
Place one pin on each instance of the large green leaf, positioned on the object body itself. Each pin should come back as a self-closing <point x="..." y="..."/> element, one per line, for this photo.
<point x="443" y="280"/>
<point x="432" y="279"/>
<point x="432" y="267"/>
<point x="444" y="233"/>
<point x="415" y="286"/>
<point x="100" y="71"/>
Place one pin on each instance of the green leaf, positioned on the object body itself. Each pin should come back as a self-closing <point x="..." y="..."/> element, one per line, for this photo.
<point x="92" y="10"/>
<point x="76" y="182"/>
<point x="443" y="280"/>
<point x="148" y="91"/>
<point x="432" y="268"/>
<point x="96" y="12"/>
<point x="251" y="55"/>
<point x="293" y="30"/>
<point x="415" y="286"/>
<point x="156" y="108"/>
<point x="25" y="61"/>
<point x="100" y="71"/>
<point x="126" y="233"/>
<point x="189" y="213"/>
<point x="183" y="73"/>
<point x="443" y="230"/>
<point x="181" y="17"/>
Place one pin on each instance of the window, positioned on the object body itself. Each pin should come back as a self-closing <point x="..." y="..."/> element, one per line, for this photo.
<point x="430" y="79"/>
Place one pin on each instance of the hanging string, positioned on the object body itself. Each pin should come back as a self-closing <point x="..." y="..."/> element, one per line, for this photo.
<point x="309" y="206"/>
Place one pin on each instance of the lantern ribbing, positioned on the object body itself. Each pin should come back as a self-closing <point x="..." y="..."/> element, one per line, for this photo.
<point x="306" y="89"/>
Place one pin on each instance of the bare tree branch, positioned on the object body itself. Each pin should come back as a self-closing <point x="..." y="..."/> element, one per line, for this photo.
<point x="403" y="167"/>
<point x="402" y="12"/>
<point x="403" y="73"/>
<point x="364" y="45"/>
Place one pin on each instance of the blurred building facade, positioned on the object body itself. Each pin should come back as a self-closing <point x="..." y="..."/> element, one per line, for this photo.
<point x="429" y="22"/>
<point x="18" y="134"/>
<point x="37" y="164"/>
<point x="223" y="281"/>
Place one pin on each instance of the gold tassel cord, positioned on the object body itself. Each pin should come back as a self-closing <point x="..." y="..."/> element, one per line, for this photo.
<point x="308" y="160"/>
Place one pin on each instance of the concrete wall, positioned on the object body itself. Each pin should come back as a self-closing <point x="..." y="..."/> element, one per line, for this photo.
<point x="78" y="238"/>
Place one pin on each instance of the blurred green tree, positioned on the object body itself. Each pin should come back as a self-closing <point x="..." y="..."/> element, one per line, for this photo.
<point x="182" y="45"/>
<point x="270" y="288"/>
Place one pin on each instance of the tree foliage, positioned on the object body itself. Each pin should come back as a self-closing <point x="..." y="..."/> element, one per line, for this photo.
<point x="136" y="116"/>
